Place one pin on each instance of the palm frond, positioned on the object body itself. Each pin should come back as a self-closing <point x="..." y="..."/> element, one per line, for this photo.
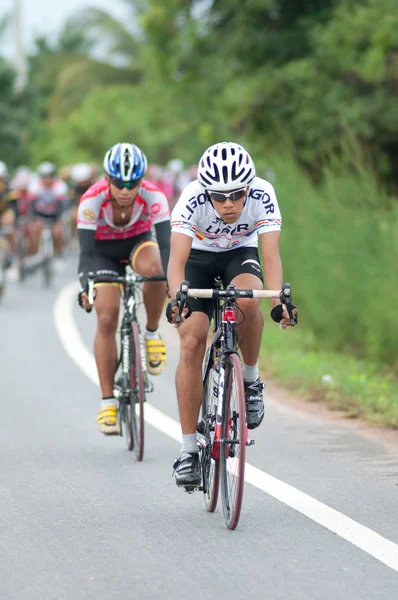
<point x="78" y="78"/>
<point x="122" y="40"/>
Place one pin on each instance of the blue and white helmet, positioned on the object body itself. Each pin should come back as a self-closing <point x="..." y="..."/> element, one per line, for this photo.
<point x="224" y="167"/>
<point x="125" y="162"/>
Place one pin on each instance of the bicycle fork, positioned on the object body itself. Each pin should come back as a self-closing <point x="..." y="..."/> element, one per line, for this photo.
<point x="218" y="439"/>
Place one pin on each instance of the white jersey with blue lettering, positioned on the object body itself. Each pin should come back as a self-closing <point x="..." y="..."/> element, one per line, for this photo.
<point x="194" y="215"/>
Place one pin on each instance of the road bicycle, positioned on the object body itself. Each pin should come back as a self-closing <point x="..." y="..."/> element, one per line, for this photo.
<point x="43" y="260"/>
<point x="133" y="380"/>
<point x="222" y="432"/>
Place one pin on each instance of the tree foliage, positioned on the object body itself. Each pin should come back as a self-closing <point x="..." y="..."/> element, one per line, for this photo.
<point x="258" y="71"/>
<point x="13" y="119"/>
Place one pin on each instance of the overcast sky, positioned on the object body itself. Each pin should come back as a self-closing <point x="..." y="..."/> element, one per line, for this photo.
<point x="48" y="16"/>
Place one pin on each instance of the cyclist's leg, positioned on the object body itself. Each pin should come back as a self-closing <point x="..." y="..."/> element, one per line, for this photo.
<point x="240" y="272"/>
<point x="250" y="330"/>
<point x="58" y="236"/>
<point x="107" y="303"/>
<point x="34" y="233"/>
<point x="7" y="220"/>
<point x="193" y="337"/>
<point x="145" y="260"/>
<point x="108" y="255"/>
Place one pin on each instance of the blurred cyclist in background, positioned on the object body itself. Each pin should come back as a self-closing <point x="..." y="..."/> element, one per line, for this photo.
<point x="8" y="212"/>
<point x="20" y="185"/>
<point x="48" y="203"/>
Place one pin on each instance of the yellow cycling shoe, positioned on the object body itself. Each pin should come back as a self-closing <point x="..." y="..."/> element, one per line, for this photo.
<point x="155" y="356"/>
<point x="108" y="420"/>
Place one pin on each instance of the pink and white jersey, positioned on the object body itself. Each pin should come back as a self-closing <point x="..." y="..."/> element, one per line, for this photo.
<point x="95" y="211"/>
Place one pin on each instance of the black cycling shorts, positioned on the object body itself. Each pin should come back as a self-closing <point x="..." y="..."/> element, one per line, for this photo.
<point x="203" y="267"/>
<point x="111" y="256"/>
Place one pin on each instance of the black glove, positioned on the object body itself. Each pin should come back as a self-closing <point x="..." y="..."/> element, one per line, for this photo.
<point x="80" y="299"/>
<point x="169" y="310"/>
<point x="172" y="304"/>
<point x="277" y="313"/>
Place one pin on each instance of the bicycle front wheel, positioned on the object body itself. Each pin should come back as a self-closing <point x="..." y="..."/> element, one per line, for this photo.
<point x="233" y="443"/>
<point x="137" y="396"/>
<point x="48" y="254"/>
<point x="210" y="466"/>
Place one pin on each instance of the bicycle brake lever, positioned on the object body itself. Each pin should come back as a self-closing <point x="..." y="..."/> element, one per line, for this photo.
<point x="183" y="295"/>
<point x="90" y="292"/>
<point x="286" y="300"/>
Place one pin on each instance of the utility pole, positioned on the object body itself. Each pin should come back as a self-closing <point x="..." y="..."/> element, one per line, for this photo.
<point x="20" y="58"/>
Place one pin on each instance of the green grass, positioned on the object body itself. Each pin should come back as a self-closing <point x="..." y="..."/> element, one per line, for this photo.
<point x="293" y="361"/>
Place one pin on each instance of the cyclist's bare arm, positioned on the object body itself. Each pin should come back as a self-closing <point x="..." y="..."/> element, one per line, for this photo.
<point x="180" y="247"/>
<point x="273" y="273"/>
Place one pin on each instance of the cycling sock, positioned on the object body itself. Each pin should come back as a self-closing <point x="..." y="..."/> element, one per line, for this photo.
<point x="250" y="373"/>
<point x="151" y="335"/>
<point x="108" y="402"/>
<point x="189" y="443"/>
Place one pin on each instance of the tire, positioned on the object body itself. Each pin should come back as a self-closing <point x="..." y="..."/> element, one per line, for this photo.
<point x="126" y="417"/>
<point x="48" y="253"/>
<point x="137" y="396"/>
<point x="210" y="467"/>
<point x="22" y="252"/>
<point x="234" y="429"/>
<point x="47" y="272"/>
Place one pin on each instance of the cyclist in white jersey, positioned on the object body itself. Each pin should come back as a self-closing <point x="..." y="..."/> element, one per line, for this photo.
<point x="216" y="226"/>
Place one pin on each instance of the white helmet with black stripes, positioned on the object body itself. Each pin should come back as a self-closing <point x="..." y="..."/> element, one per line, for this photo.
<point x="224" y="167"/>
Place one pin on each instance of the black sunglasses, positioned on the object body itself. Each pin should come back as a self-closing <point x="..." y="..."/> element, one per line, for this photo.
<point x="234" y="196"/>
<point x="130" y="185"/>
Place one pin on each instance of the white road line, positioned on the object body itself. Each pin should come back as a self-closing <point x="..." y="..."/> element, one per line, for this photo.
<point x="364" y="538"/>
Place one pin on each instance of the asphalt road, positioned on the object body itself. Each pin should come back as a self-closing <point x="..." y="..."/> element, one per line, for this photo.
<point x="80" y="518"/>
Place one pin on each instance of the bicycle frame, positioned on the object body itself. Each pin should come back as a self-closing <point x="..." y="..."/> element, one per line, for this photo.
<point x="129" y="315"/>
<point x="224" y="343"/>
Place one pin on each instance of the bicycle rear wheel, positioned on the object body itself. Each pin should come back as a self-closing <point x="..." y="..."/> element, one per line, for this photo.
<point x="233" y="446"/>
<point x="210" y="467"/>
<point x="137" y="396"/>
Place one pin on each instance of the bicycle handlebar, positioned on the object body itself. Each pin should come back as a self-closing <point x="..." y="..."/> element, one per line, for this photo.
<point x="231" y="293"/>
<point x="123" y="279"/>
<point x="284" y="296"/>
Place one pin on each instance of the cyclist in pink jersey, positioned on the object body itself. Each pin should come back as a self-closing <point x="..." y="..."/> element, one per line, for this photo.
<point x="123" y="218"/>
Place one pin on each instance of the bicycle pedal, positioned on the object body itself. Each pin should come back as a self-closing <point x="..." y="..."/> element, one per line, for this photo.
<point x="191" y="490"/>
<point x="201" y="442"/>
<point x="148" y="385"/>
